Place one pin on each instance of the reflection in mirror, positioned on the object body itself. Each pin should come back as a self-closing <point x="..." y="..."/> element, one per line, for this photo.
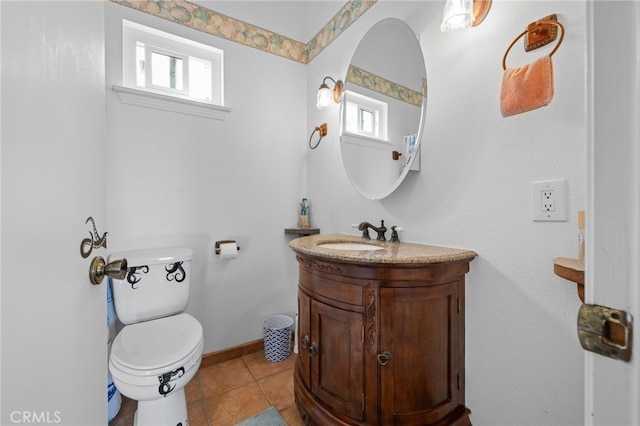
<point x="383" y="109"/>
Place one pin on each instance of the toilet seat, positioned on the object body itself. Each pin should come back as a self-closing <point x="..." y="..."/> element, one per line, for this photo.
<point x="152" y="348"/>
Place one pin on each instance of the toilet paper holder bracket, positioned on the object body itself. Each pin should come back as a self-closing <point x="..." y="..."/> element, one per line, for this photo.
<point x="218" y="243"/>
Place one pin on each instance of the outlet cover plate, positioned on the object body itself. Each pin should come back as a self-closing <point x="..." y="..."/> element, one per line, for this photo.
<point x="549" y="200"/>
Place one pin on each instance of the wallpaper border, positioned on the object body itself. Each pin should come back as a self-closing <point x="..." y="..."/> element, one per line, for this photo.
<point x="211" y="22"/>
<point x="386" y="87"/>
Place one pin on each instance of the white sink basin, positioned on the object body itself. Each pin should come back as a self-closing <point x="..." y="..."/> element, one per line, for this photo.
<point x="350" y="246"/>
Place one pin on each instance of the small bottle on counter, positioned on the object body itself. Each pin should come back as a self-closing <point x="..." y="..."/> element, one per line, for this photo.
<point x="581" y="238"/>
<point x="304" y="214"/>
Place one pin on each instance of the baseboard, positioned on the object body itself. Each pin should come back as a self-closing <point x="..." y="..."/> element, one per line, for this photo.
<point x="213" y="358"/>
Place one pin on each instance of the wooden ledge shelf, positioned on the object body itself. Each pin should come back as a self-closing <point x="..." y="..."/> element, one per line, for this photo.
<point x="569" y="269"/>
<point x="302" y="232"/>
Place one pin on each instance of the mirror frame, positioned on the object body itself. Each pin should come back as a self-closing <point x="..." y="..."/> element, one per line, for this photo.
<point x="385" y="192"/>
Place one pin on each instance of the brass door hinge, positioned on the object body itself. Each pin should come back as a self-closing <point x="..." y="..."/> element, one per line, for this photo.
<point x="605" y="331"/>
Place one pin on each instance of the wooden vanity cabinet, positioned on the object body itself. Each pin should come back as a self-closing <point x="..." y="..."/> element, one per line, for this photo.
<point x="353" y="317"/>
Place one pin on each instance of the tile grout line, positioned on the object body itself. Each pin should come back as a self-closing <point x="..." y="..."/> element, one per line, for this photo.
<point x="257" y="382"/>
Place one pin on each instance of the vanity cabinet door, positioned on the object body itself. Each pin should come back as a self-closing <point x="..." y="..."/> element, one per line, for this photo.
<point x="303" y="361"/>
<point x="337" y="365"/>
<point x="420" y="328"/>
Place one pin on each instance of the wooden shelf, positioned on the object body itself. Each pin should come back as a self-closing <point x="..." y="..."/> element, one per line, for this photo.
<point x="302" y="232"/>
<point x="569" y="269"/>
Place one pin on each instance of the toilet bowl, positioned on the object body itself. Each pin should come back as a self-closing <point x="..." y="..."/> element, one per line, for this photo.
<point x="153" y="361"/>
<point x="160" y="348"/>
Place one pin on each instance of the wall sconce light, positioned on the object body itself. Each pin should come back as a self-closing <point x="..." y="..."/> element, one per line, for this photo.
<point x="461" y="14"/>
<point x="325" y="96"/>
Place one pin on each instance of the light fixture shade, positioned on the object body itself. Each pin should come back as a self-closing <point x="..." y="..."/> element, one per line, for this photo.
<point x="457" y="16"/>
<point x="324" y="98"/>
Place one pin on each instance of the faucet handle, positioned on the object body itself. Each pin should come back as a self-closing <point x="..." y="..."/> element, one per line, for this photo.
<point x="394" y="233"/>
<point x="381" y="231"/>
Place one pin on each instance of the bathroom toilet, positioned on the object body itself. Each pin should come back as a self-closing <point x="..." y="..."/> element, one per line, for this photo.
<point x="160" y="348"/>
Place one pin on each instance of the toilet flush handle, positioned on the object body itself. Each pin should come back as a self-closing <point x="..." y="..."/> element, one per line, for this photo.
<point x="98" y="269"/>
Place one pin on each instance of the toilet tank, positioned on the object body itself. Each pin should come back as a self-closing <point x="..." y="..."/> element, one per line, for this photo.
<point x="157" y="284"/>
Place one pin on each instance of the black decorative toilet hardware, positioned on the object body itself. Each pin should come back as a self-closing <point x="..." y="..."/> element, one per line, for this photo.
<point x="166" y="378"/>
<point x="133" y="276"/>
<point x="175" y="271"/>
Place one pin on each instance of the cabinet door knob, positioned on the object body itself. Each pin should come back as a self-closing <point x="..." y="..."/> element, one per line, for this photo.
<point x="384" y="358"/>
<point x="313" y="349"/>
<point x="305" y="342"/>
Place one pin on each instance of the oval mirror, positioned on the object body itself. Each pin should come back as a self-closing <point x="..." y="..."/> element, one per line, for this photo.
<point x="383" y="109"/>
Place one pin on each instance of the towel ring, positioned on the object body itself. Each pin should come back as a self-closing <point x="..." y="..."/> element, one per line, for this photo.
<point x="322" y="132"/>
<point x="549" y="22"/>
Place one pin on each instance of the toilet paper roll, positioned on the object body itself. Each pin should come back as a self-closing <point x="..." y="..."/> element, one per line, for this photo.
<point x="228" y="251"/>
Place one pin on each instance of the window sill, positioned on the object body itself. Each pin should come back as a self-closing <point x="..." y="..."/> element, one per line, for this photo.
<point x="143" y="98"/>
<point x="367" y="141"/>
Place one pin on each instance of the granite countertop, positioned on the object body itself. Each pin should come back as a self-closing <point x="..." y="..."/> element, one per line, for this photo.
<point x="392" y="253"/>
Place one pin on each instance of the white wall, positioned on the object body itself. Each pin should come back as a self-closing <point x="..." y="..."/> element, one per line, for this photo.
<point x="175" y="179"/>
<point x="183" y="180"/>
<point x="524" y="363"/>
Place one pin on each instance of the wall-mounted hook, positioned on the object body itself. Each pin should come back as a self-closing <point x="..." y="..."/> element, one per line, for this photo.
<point x="94" y="241"/>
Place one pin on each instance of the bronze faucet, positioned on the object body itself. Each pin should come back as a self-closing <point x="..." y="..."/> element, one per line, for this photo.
<point x="364" y="227"/>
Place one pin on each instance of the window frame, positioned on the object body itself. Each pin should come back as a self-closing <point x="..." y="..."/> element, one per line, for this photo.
<point x="163" y="42"/>
<point x="149" y="50"/>
<point x="379" y="110"/>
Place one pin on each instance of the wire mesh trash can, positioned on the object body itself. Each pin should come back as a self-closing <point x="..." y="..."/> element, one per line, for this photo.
<point x="277" y="337"/>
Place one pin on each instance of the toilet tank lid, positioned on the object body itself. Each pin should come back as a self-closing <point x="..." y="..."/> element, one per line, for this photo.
<point x="153" y="256"/>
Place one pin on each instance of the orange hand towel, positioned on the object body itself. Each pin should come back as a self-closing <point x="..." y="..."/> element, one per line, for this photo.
<point x="527" y="88"/>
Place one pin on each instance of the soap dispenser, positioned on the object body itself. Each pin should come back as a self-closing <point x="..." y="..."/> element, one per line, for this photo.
<point x="304" y="214"/>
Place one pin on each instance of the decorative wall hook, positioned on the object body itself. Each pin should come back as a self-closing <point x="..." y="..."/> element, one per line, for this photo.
<point x="94" y="241"/>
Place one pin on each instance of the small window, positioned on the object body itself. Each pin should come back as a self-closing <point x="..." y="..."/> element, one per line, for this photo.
<point x="365" y="116"/>
<point x="164" y="63"/>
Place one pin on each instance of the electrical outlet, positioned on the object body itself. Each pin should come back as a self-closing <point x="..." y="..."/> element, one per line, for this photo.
<point x="549" y="200"/>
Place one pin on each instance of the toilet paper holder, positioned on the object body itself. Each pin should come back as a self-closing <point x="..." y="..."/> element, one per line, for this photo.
<point x="223" y="242"/>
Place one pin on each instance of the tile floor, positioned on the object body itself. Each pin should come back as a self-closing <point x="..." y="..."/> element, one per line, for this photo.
<point x="227" y="393"/>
